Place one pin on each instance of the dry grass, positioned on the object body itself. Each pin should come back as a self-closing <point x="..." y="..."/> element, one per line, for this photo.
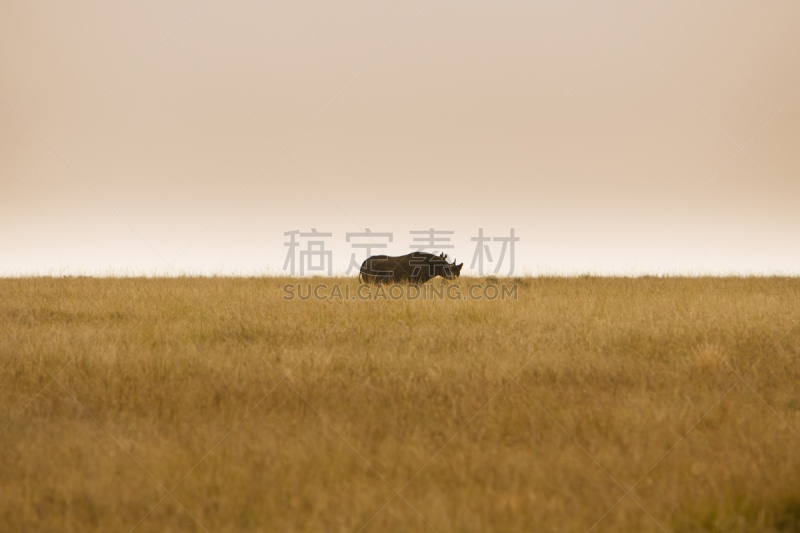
<point x="260" y="414"/>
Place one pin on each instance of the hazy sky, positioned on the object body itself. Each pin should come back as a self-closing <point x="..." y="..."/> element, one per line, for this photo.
<point x="613" y="136"/>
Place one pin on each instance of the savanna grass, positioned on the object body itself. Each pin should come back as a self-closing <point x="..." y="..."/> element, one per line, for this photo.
<point x="191" y="404"/>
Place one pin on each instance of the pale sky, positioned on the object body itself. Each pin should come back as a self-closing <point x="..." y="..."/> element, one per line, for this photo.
<point x="615" y="137"/>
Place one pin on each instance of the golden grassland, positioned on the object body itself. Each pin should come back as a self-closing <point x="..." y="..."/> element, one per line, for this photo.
<point x="194" y="404"/>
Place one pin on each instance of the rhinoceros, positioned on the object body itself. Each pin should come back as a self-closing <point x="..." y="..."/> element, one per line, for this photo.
<point x="415" y="268"/>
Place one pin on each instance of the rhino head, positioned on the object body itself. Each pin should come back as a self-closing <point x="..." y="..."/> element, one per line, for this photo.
<point x="446" y="269"/>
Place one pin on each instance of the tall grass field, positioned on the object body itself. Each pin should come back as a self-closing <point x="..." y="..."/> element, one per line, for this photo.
<point x="219" y="404"/>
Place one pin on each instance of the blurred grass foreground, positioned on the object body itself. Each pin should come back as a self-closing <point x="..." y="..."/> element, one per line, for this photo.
<point x="216" y="404"/>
